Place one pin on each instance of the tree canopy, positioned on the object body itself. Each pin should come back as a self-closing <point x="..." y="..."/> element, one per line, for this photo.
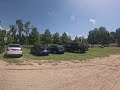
<point x="25" y="34"/>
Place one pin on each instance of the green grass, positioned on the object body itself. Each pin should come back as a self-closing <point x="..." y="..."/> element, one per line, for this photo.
<point x="92" y="53"/>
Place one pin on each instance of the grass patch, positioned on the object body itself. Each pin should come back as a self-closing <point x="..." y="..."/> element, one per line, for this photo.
<point x="92" y="53"/>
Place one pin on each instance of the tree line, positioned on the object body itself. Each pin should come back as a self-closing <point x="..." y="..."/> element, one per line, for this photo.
<point x="30" y="35"/>
<point x="103" y="37"/>
<point x="26" y="34"/>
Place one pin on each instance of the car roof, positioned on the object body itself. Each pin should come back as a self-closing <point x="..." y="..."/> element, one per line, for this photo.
<point x="57" y="45"/>
<point x="40" y="45"/>
<point x="14" y="44"/>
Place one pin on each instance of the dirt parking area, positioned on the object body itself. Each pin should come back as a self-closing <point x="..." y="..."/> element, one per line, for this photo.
<point x="96" y="74"/>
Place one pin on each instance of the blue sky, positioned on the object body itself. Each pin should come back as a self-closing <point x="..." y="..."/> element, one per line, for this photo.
<point x="76" y="17"/>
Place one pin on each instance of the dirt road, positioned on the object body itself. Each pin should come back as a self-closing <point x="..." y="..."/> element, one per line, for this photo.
<point x="96" y="74"/>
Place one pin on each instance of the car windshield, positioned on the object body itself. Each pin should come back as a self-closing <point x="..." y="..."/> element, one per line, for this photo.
<point x="42" y="46"/>
<point x="14" y="45"/>
<point x="59" y="46"/>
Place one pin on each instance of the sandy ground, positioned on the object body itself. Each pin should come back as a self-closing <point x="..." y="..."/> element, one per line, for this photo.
<point x="96" y="74"/>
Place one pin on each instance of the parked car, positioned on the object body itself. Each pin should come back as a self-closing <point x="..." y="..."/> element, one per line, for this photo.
<point x="40" y="50"/>
<point x="2" y="48"/>
<point x="14" y="50"/>
<point x="73" y="47"/>
<point x="56" y="49"/>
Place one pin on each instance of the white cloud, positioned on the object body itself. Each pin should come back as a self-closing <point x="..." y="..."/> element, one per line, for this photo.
<point x="93" y="21"/>
<point x="52" y="13"/>
<point x="7" y="29"/>
<point x="79" y="35"/>
<point x="1" y="28"/>
<point x="67" y="33"/>
<point x="72" y="18"/>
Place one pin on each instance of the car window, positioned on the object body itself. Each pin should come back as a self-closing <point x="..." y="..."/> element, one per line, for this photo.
<point x="59" y="46"/>
<point x="14" y="45"/>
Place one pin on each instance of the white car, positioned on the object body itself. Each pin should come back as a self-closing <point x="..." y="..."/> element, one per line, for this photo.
<point x="14" y="50"/>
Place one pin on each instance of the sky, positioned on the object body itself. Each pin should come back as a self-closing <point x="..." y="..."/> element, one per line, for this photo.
<point x="75" y="17"/>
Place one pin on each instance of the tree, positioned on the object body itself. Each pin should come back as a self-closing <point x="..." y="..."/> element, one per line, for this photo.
<point x="34" y="37"/>
<point x="47" y="37"/>
<point x="9" y="39"/>
<point x="103" y="36"/>
<point x="2" y="35"/>
<point x="98" y="36"/>
<point x="84" y="40"/>
<point x="20" y="27"/>
<point x="26" y="30"/>
<point x="69" y="39"/>
<point x="118" y="36"/>
<point x="76" y="40"/>
<point x="112" y="37"/>
<point x="13" y="31"/>
<point x="56" y="38"/>
<point x="65" y="39"/>
<point x="23" y="39"/>
<point x="92" y="37"/>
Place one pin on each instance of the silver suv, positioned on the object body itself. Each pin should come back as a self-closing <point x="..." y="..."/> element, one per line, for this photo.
<point x="14" y="50"/>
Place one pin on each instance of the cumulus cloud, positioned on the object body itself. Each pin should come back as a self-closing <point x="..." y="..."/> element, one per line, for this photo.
<point x="67" y="33"/>
<point x="79" y="35"/>
<point x="1" y="28"/>
<point x="72" y="18"/>
<point x="93" y="21"/>
<point x="8" y="29"/>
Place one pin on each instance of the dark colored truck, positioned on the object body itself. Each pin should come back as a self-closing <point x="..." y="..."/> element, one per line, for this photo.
<point x="73" y="47"/>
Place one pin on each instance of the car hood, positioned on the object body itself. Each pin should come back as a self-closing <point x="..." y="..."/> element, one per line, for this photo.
<point x="14" y="48"/>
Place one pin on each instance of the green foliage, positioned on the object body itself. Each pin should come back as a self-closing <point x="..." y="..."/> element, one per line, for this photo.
<point x="19" y="24"/>
<point x="23" y="39"/>
<point x="56" y="38"/>
<point x="34" y="37"/>
<point x="98" y="36"/>
<point x="24" y="34"/>
<point x="2" y="35"/>
<point x="65" y="39"/>
<point x="76" y="40"/>
<point x="47" y="37"/>
<point x="112" y="37"/>
<point x="9" y="39"/>
<point x="118" y="36"/>
<point x="13" y="31"/>
<point x="26" y="30"/>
